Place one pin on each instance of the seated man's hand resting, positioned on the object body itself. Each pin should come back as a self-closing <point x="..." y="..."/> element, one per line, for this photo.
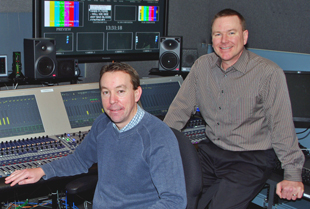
<point x="290" y="190"/>
<point x="26" y="176"/>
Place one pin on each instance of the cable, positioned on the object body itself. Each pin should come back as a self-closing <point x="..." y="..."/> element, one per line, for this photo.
<point x="23" y="204"/>
<point x="304" y="136"/>
<point x="303" y="131"/>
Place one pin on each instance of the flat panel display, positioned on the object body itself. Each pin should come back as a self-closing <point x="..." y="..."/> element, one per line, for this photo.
<point x="158" y="95"/>
<point x="19" y="115"/>
<point x="102" y="30"/>
<point x="299" y="89"/>
<point x="82" y="106"/>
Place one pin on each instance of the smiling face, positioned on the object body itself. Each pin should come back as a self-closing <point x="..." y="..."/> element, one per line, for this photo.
<point x="119" y="99"/>
<point x="228" y="39"/>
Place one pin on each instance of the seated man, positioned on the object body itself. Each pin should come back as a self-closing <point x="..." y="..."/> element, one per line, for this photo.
<point x="245" y="102"/>
<point x="138" y="165"/>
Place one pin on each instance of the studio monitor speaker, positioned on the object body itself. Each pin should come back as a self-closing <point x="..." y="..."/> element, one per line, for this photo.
<point x="189" y="56"/>
<point x="169" y="53"/>
<point x="67" y="68"/>
<point x="40" y="58"/>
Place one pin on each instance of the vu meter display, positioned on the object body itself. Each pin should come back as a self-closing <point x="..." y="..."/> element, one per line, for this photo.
<point x="156" y="98"/>
<point x="82" y="107"/>
<point x="19" y="115"/>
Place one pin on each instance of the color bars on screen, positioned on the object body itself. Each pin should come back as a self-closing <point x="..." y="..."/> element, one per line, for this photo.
<point x="61" y="14"/>
<point x="148" y="13"/>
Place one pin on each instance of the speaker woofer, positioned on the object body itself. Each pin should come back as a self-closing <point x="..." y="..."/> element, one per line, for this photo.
<point x="169" y="60"/>
<point x="45" y="66"/>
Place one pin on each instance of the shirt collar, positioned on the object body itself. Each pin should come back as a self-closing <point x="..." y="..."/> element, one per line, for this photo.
<point x="134" y="121"/>
<point x="241" y="63"/>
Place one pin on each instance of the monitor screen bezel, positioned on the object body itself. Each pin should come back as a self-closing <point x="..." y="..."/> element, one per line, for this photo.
<point x="92" y="58"/>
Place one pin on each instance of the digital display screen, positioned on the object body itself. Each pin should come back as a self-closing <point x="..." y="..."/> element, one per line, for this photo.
<point x="156" y="98"/>
<point x="19" y="115"/>
<point x="107" y="28"/>
<point x="299" y="89"/>
<point x="82" y="107"/>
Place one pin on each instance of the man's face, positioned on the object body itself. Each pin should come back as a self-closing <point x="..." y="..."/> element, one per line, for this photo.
<point x="228" y="39"/>
<point x="119" y="100"/>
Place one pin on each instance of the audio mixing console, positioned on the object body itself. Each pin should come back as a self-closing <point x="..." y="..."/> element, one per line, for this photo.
<point x="34" y="152"/>
<point x="195" y="130"/>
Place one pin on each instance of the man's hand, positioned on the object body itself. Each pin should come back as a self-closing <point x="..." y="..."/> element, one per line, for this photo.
<point x="26" y="176"/>
<point x="290" y="190"/>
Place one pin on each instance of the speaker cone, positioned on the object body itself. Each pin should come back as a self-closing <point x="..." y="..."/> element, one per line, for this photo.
<point x="45" y="66"/>
<point x="169" y="60"/>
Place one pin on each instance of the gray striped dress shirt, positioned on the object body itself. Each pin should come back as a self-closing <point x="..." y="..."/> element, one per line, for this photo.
<point x="247" y="107"/>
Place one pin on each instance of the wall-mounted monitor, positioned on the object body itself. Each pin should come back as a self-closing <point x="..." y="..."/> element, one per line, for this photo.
<point x="102" y="30"/>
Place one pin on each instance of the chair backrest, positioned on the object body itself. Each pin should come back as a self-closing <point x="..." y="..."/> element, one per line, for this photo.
<point x="192" y="169"/>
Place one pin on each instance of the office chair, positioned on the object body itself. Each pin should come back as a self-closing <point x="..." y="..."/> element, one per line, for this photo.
<point x="192" y="169"/>
<point x="192" y="172"/>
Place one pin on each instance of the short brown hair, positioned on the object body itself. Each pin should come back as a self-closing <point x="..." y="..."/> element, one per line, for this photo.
<point x="230" y="12"/>
<point x="117" y="66"/>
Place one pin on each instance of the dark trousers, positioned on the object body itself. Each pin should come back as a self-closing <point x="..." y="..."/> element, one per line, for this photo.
<point x="232" y="179"/>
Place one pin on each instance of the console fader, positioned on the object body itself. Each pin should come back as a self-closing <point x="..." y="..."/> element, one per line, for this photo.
<point x="34" y="152"/>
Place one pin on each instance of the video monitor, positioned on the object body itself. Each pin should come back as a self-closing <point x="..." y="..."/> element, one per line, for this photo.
<point x="298" y="83"/>
<point x="102" y="30"/>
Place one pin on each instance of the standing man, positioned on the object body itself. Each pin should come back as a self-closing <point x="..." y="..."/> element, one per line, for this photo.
<point x="138" y="165"/>
<point x="245" y="102"/>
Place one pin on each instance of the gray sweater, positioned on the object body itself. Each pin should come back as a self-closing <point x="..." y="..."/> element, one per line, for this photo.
<point x="139" y="168"/>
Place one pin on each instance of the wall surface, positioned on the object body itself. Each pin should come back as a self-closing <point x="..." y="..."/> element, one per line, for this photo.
<point x="275" y="25"/>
